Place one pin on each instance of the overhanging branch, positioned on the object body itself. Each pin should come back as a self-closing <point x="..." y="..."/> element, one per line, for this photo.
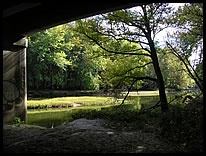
<point x="129" y="89"/>
<point x="115" y="52"/>
<point x="135" y="79"/>
<point x="194" y="77"/>
<point x="134" y="68"/>
<point x="142" y="78"/>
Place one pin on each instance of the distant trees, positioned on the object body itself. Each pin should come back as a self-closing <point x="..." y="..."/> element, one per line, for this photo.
<point x="46" y="57"/>
<point x="173" y="71"/>
<point x="57" y="59"/>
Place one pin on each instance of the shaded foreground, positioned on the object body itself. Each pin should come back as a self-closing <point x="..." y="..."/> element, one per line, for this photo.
<point x="114" y="130"/>
<point x="79" y="136"/>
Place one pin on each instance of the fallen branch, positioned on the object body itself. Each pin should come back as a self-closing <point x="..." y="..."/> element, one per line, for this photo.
<point x="149" y="108"/>
<point x="127" y="94"/>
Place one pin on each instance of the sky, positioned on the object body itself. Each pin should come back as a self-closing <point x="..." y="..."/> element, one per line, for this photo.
<point x="162" y="36"/>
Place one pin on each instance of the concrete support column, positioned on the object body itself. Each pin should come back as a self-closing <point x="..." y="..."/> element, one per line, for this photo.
<point x="14" y="82"/>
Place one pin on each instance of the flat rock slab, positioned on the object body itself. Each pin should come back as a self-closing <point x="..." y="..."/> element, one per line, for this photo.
<point x="81" y="136"/>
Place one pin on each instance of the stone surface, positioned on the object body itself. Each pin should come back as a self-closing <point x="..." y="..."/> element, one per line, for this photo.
<point x="81" y="136"/>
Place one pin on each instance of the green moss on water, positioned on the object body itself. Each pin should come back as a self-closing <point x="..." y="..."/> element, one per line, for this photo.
<point x="68" y="101"/>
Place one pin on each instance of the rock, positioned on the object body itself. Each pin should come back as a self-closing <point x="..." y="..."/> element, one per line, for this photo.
<point x="77" y="105"/>
<point x="81" y="136"/>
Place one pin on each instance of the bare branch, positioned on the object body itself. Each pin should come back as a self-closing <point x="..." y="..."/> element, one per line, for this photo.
<point x="135" y="23"/>
<point x="134" y="68"/>
<point x="144" y="110"/>
<point x="196" y="79"/>
<point x="127" y="93"/>
<point x="124" y="38"/>
<point x="115" y="52"/>
<point x="129" y="89"/>
<point x="142" y="78"/>
<point x="145" y="48"/>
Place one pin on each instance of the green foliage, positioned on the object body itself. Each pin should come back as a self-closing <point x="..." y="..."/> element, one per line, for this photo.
<point x="47" y="58"/>
<point x="117" y="70"/>
<point x="121" y="69"/>
<point x="86" y="54"/>
<point x="57" y="58"/>
<point x="17" y="121"/>
<point x="138" y="26"/>
<point x="189" y="20"/>
<point x="173" y="70"/>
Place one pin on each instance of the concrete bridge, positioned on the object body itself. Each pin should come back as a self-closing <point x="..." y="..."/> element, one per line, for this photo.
<point x="21" y="18"/>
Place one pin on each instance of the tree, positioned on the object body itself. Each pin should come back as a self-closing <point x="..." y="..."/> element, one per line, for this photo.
<point x="121" y="70"/>
<point x="84" y="74"/>
<point x="173" y="71"/>
<point x="136" y="26"/>
<point x="59" y="59"/>
<point x="46" y="58"/>
<point x="188" y="39"/>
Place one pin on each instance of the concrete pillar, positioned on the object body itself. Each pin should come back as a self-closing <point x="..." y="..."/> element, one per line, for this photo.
<point x="14" y="82"/>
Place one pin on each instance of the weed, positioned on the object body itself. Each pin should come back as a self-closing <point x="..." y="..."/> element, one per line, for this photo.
<point x="17" y="121"/>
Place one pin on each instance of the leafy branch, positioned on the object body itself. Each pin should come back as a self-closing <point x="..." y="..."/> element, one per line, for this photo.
<point x="187" y="64"/>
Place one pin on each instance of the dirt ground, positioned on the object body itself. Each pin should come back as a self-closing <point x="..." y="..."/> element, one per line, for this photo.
<point x="81" y="136"/>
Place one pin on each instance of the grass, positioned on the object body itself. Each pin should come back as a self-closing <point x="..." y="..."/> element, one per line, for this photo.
<point x="84" y="100"/>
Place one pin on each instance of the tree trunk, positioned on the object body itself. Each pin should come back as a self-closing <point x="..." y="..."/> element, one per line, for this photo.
<point x="160" y="81"/>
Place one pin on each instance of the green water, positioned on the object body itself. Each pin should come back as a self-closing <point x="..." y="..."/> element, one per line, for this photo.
<point x="56" y="117"/>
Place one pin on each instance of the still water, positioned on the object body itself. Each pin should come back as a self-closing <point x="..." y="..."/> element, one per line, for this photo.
<point x="55" y="117"/>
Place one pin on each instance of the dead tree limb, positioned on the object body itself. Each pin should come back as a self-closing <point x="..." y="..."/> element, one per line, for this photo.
<point x="129" y="89"/>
